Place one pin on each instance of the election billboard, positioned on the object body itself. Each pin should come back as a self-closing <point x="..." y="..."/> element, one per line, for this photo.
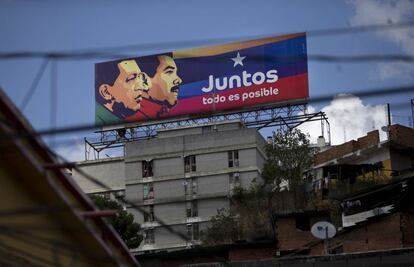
<point x="232" y="77"/>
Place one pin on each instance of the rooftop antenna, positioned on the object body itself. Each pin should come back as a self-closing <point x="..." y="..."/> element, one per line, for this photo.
<point x="412" y="111"/>
<point x="389" y="114"/>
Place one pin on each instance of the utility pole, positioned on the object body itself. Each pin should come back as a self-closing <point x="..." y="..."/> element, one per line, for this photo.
<point x="412" y="112"/>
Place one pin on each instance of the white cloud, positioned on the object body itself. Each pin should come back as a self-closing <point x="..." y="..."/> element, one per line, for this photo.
<point x="71" y="151"/>
<point x="74" y="150"/>
<point x="349" y="119"/>
<point x="368" y="12"/>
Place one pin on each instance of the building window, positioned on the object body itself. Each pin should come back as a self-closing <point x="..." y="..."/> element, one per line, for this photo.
<point x="149" y="214"/>
<point x="234" y="180"/>
<point x="302" y="222"/>
<point x="233" y="158"/>
<point x="192" y="209"/>
<point x="190" y="186"/>
<point x="149" y="236"/>
<point x="193" y="231"/>
<point x="148" y="191"/>
<point x="190" y="163"/>
<point x="147" y="168"/>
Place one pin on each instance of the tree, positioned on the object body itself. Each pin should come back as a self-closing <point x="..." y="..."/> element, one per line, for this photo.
<point x="250" y="223"/>
<point x="287" y="158"/>
<point x="251" y="205"/>
<point x="223" y="229"/>
<point x="123" y="222"/>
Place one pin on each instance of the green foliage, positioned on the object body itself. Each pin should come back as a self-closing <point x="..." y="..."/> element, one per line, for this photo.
<point x="287" y="158"/>
<point x="252" y="205"/>
<point x="223" y="229"/>
<point x="123" y="222"/>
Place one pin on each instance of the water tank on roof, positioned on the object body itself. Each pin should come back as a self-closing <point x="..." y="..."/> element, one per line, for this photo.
<point x="321" y="141"/>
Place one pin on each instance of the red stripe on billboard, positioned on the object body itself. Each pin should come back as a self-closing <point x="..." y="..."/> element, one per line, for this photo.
<point x="295" y="87"/>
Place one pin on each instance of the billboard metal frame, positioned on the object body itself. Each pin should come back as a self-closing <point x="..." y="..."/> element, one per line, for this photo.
<point x="284" y="117"/>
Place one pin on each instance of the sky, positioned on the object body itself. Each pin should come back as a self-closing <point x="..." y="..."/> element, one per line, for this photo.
<point x="148" y="27"/>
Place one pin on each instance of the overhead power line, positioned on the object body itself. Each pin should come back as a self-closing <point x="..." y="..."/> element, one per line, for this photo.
<point x="318" y="58"/>
<point x="107" y="52"/>
<point x="313" y="100"/>
<point x="34" y="84"/>
<point x="130" y="203"/>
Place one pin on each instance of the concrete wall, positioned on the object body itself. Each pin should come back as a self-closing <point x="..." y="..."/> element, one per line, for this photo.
<point x="133" y="171"/>
<point x="172" y="212"/>
<point x="208" y="208"/>
<point x="212" y="162"/>
<point x="165" y="239"/>
<point x="169" y="166"/>
<point x="216" y="184"/>
<point x="169" y="189"/>
<point x="111" y="172"/>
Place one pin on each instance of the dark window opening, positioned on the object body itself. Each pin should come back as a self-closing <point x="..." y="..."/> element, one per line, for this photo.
<point x="302" y="222"/>
<point x="147" y="168"/>
<point x="192" y="209"/>
<point x="233" y="157"/>
<point x="193" y="231"/>
<point x="149" y="215"/>
<point x="190" y="186"/>
<point x="148" y="191"/>
<point x="190" y="163"/>
<point x="149" y="236"/>
<point x="234" y="180"/>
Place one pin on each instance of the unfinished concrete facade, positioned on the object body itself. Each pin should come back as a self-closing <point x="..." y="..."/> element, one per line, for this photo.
<point x="182" y="177"/>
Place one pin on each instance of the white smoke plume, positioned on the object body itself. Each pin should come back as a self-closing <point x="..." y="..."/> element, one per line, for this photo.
<point x="349" y="119"/>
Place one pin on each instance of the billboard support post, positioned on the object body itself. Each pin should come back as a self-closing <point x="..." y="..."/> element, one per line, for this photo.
<point x="274" y="117"/>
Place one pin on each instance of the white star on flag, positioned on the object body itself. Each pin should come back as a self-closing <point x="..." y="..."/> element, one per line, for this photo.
<point x="238" y="60"/>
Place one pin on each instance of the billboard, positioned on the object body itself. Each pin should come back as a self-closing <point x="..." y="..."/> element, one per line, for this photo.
<point x="211" y="80"/>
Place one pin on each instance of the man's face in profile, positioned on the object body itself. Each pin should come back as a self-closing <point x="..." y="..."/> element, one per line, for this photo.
<point x="166" y="82"/>
<point x="128" y="87"/>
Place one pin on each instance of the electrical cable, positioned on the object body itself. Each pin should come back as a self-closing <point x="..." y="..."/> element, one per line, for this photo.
<point x="314" y="100"/>
<point x="130" y="203"/>
<point x="34" y="84"/>
<point x="104" y="51"/>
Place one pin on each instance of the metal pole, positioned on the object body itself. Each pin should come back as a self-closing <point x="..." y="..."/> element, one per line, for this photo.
<point x="326" y="240"/>
<point x="412" y="111"/>
<point x="389" y="114"/>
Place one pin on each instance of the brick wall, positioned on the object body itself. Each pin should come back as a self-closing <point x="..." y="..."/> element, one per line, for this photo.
<point x="242" y="254"/>
<point x="382" y="234"/>
<point x="407" y="227"/>
<point x="402" y="135"/>
<point x="370" y="139"/>
<point x="291" y="238"/>
<point x="335" y="152"/>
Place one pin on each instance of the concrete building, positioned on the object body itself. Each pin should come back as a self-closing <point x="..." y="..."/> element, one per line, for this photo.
<point x="182" y="177"/>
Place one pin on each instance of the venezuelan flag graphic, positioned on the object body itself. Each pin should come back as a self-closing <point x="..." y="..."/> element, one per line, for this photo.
<point x="237" y="76"/>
